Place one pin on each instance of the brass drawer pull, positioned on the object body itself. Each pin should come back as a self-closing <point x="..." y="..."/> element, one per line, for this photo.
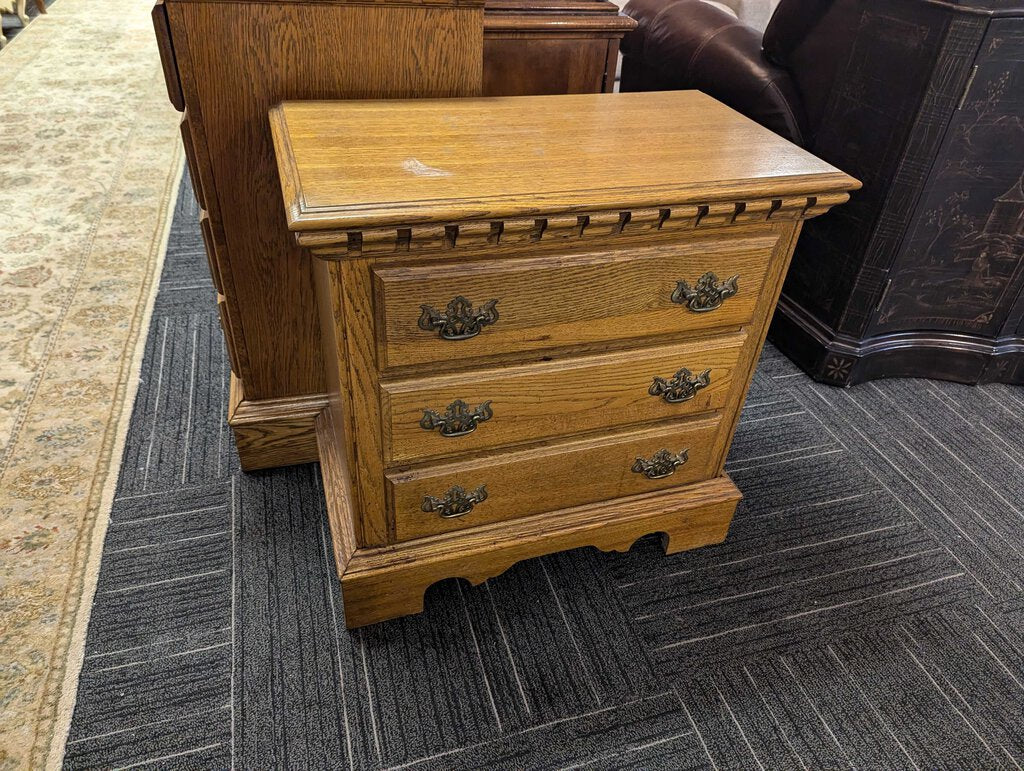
<point x="456" y="502"/>
<point x="458" y="321"/>
<point x="708" y="294"/>
<point x="458" y="419"/>
<point x="662" y="464"/>
<point x="683" y="386"/>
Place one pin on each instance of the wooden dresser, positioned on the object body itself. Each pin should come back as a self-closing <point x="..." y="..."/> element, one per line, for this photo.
<point x="551" y="46"/>
<point x="540" y="317"/>
<point x="227" y="62"/>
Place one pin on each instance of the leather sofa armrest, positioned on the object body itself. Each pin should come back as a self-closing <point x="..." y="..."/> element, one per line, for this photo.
<point x="689" y="44"/>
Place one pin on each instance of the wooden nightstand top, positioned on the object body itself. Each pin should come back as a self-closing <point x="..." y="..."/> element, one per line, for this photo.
<point x="359" y="164"/>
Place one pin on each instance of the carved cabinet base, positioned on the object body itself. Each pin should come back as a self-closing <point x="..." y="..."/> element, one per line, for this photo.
<point x="515" y="369"/>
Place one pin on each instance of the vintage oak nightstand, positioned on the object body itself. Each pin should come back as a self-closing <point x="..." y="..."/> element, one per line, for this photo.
<point x="540" y="317"/>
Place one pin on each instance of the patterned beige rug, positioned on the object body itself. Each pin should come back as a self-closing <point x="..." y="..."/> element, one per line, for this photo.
<point x="89" y="164"/>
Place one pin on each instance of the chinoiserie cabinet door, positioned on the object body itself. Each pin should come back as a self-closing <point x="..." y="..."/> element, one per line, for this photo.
<point x="961" y="266"/>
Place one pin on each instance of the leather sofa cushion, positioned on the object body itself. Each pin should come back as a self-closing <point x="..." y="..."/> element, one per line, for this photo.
<point x="691" y="44"/>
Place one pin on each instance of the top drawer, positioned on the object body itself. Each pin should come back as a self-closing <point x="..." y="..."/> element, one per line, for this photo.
<point x="429" y="313"/>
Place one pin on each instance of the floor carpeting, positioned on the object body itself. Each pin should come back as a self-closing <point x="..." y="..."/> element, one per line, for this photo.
<point x="867" y="609"/>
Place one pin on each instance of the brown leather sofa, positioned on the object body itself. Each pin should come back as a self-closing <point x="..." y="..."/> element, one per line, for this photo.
<point x="922" y="273"/>
<point x="690" y="44"/>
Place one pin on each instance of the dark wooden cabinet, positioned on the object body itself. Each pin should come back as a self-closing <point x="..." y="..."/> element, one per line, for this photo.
<point x="923" y="273"/>
<point x="551" y="46"/>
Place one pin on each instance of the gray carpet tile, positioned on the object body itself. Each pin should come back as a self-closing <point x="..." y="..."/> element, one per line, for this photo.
<point x="866" y="610"/>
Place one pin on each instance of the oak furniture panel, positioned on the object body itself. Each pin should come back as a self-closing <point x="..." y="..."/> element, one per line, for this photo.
<point x="556" y="476"/>
<point x="424" y="417"/>
<point x="548" y="302"/>
<point x="693" y="516"/>
<point x="603" y="272"/>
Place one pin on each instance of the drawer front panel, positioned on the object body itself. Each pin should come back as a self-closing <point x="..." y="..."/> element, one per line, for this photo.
<point x="518" y="484"/>
<point x="424" y="418"/>
<point x="497" y="307"/>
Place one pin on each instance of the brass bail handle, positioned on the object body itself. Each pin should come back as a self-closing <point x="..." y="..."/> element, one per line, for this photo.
<point x="707" y="294"/>
<point x="458" y="321"/>
<point x="457" y="420"/>
<point x="662" y="464"/>
<point x="682" y="386"/>
<point x="457" y="502"/>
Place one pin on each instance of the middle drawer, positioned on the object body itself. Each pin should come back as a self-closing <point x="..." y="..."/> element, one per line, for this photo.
<point x="479" y="410"/>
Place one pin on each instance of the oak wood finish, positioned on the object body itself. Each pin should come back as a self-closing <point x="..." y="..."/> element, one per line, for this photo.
<point x="697" y="515"/>
<point x="558" y="475"/>
<point x="552" y="399"/>
<point x="612" y="295"/>
<point x="226" y="63"/>
<point x="576" y="450"/>
<point x="273" y="432"/>
<point x="334" y="154"/>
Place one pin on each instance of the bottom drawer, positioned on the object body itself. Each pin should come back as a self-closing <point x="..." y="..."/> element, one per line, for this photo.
<point x="453" y="496"/>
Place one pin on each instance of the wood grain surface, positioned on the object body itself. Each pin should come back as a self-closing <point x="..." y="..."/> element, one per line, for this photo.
<point x="555" y="399"/>
<point x="273" y="432"/>
<point x="237" y="60"/>
<point x="557" y="476"/>
<point x="563" y="300"/>
<point x="336" y="472"/>
<point x="520" y="64"/>
<point x="364" y="163"/>
<point x="348" y="284"/>
<point x="756" y="333"/>
<point x="551" y="46"/>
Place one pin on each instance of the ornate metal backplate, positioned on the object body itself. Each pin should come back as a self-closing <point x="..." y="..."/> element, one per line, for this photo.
<point x="455" y="503"/>
<point x="683" y="386"/>
<point x="662" y="464"/>
<point x="708" y="294"/>
<point x="458" y="419"/>
<point x="458" y="321"/>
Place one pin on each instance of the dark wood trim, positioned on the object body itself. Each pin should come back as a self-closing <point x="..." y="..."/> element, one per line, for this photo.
<point x="552" y="6"/>
<point x="976" y="10"/>
<point x="411" y="3"/>
<point x="557" y="23"/>
<point x="844" y="361"/>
